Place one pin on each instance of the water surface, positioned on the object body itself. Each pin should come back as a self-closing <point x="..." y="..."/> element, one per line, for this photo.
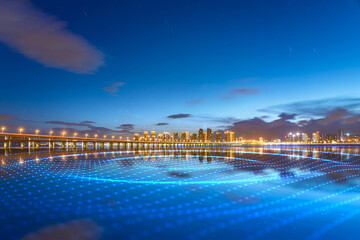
<point x="207" y="193"/>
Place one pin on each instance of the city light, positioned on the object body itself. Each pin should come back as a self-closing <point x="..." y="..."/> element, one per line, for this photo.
<point x="63" y="133"/>
<point x="75" y="134"/>
<point x="21" y="130"/>
<point x="95" y="135"/>
<point x="105" y="136"/>
<point x="37" y="131"/>
<point x="3" y="129"/>
<point x="86" y="135"/>
<point x="51" y="132"/>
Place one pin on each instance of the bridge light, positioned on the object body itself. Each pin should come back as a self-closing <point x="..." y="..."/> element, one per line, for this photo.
<point x="51" y="132"/>
<point x="95" y="135"/>
<point x="112" y="137"/>
<point x="21" y="130"/>
<point x="104" y="136"/>
<point x="37" y="131"/>
<point x="86" y="135"/>
<point x="2" y="129"/>
<point x="63" y="133"/>
<point x="75" y="134"/>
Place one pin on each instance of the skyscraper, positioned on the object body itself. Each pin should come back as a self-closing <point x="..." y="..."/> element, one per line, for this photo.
<point x="153" y="135"/>
<point x="176" y="136"/>
<point x="340" y="134"/>
<point x="209" y="135"/>
<point x="229" y="136"/>
<point x="201" y="135"/>
<point x="218" y="137"/>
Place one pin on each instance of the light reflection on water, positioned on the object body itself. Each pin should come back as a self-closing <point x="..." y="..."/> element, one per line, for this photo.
<point x="212" y="193"/>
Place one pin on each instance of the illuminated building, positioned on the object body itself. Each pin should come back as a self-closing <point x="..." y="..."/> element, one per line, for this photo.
<point x="146" y="134"/>
<point x="193" y="137"/>
<point x="305" y="137"/>
<point x="167" y="136"/>
<point x="316" y="137"/>
<point x="201" y="136"/>
<point x="176" y="136"/>
<point x="160" y="137"/>
<point x="153" y="135"/>
<point x="340" y="134"/>
<point x="184" y="136"/>
<point x="209" y="135"/>
<point x="136" y="137"/>
<point x="218" y="137"/>
<point x="229" y="136"/>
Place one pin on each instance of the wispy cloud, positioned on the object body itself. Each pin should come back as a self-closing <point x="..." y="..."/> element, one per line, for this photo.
<point x="241" y="91"/>
<point x="45" y="39"/>
<point x="162" y="124"/>
<point x="180" y="115"/>
<point x="7" y="117"/>
<point x="127" y="126"/>
<point x="114" y="88"/>
<point x="195" y="101"/>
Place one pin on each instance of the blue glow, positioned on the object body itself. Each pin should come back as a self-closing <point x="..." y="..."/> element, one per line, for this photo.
<point x="250" y="193"/>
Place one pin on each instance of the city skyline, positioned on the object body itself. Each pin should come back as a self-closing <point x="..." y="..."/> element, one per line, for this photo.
<point x="154" y="70"/>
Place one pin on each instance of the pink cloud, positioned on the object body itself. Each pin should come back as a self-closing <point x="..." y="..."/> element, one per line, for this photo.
<point x="45" y="39"/>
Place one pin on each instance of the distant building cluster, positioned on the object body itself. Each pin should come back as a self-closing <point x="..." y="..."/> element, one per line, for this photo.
<point x="318" y="137"/>
<point x="185" y="136"/>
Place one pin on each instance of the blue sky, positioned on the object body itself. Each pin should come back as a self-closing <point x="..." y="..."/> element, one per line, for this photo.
<point x="219" y="61"/>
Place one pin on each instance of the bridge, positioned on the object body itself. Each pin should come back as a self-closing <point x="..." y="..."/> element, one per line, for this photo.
<point x="35" y="141"/>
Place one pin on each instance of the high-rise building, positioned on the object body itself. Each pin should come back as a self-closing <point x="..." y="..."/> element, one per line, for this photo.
<point x="136" y="137"/>
<point x="340" y="134"/>
<point x="153" y="135"/>
<point x="160" y="137"/>
<point x="176" y="136"/>
<point x="304" y="137"/>
<point x="201" y="135"/>
<point x="184" y="136"/>
<point x="229" y="136"/>
<point x="167" y="136"/>
<point x="218" y="137"/>
<point x="316" y="137"/>
<point x="209" y="135"/>
<point x="193" y="137"/>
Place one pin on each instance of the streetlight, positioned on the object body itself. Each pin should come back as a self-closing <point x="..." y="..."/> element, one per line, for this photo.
<point x="37" y="131"/>
<point x="95" y="135"/>
<point x="51" y="132"/>
<point x="104" y="136"/>
<point x="2" y="129"/>
<point x="75" y="134"/>
<point x="120" y="137"/>
<point x="112" y="137"/>
<point x="63" y="133"/>
<point x="21" y="130"/>
<point x="86" y="135"/>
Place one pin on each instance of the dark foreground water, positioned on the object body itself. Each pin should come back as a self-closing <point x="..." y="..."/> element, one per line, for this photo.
<point x="237" y="193"/>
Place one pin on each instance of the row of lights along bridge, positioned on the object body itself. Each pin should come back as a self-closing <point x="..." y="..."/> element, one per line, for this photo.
<point x="185" y="136"/>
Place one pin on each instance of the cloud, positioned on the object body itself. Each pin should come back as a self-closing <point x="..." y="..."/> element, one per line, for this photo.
<point x="180" y="115"/>
<point x="330" y="123"/>
<point x="7" y="117"/>
<point x="69" y="124"/>
<point x="286" y="116"/>
<point x="241" y="91"/>
<point x="162" y="124"/>
<point x="316" y="108"/>
<point x="45" y="39"/>
<point x="127" y="127"/>
<point x="114" y="87"/>
<point x="195" y="101"/>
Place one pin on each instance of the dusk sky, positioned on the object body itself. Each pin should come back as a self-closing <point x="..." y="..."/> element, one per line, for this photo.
<point x="119" y="67"/>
